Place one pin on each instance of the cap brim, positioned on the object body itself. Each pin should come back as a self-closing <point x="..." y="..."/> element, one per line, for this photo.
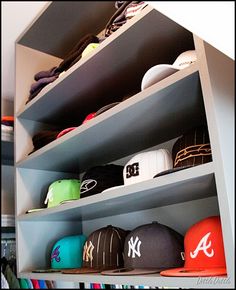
<point x="68" y="200"/>
<point x="191" y="272"/>
<point x="130" y="272"/>
<point x="113" y="187"/>
<point x="105" y="108"/>
<point x="51" y="270"/>
<point x="35" y="209"/>
<point x="172" y="170"/>
<point x="83" y="270"/>
<point x="156" y="74"/>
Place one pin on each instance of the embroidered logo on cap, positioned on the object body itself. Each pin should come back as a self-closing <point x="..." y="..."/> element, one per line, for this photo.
<point x="203" y="246"/>
<point x="88" y="252"/>
<point x="134" y="247"/>
<point x="87" y="185"/>
<point x="132" y="170"/>
<point x="55" y="254"/>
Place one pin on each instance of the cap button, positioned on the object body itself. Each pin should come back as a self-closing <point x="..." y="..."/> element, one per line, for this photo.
<point x="154" y="222"/>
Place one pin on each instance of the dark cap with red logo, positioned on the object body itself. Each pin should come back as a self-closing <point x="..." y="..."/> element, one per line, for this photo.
<point x="204" y="250"/>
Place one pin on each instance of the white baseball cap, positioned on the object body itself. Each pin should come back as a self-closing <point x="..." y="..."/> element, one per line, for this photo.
<point x="145" y="165"/>
<point x="161" y="71"/>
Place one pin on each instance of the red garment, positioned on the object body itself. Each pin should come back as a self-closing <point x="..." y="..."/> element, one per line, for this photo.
<point x="35" y="284"/>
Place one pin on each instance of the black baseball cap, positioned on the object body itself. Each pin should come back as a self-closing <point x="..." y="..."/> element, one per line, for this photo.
<point x="103" y="250"/>
<point x="191" y="149"/>
<point x="99" y="178"/>
<point x="151" y="248"/>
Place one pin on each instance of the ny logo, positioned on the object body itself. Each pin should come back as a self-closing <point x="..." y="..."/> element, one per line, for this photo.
<point x="132" y="170"/>
<point x="203" y="246"/>
<point x="55" y="254"/>
<point x="88" y="252"/>
<point x="134" y="246"/>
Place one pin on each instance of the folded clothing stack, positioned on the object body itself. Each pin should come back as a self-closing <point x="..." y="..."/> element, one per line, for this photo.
<point x="43" y="78"/>
<point x="7" y="125"/>
<point x="125" y="11"/>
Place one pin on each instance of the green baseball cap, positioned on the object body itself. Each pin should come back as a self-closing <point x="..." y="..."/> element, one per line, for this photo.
<point x="61" y="191"/>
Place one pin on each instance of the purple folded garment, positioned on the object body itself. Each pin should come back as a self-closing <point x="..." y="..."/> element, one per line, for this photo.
<point x="42" y="83"/>
<point x="46" y="74"/>
<point x="7" y="123"/>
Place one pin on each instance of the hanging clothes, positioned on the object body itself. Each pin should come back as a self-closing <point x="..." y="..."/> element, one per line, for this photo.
<point x="4" y="283"/>
<point x="11" y="278"/>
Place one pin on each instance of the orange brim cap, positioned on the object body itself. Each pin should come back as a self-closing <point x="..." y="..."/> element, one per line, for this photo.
<point x="191" y="272"/>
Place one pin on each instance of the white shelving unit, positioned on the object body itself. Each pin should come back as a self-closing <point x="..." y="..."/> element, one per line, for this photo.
<point x="199" y="94"/>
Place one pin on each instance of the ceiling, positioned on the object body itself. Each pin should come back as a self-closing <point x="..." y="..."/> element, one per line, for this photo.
<point x="14" y="23"/>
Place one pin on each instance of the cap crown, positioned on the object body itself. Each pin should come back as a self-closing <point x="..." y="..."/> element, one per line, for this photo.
<point x="204" y="246"/>
<point x="153" y="246"/>
<point x="185" y="59"/>
<point x="62" y="190"/>
<point x="67" y="252"/>
<point x="99" y="178"/>
<point x="144" y="166"/>
<point x="193" y="148"/>
<point x="104" y="248"/>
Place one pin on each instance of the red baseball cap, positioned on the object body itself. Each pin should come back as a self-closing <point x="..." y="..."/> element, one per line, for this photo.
<point x="204" y="250"/>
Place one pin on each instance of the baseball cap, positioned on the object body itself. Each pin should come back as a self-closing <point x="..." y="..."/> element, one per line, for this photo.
<point x="106" y="107"/>
<point x="161" y="71"/>
<point x="65" y="131"/>
<point x="88" y="117"/>
<point x="101" y="177"/>
<point x="67" y="252"/>
<point x="204" y="250"/>
<point x="191" y="149"/>
<point x="144" y="166"/>
<point x="150" y="248"/>
<point x="102" y="250"/>
<point x="89" y="48"/>
<point x="42" y="138"/>
<point x="61" y="191"/>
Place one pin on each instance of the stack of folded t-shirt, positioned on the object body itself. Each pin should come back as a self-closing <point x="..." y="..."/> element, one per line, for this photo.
<point x="125" y="11"/>
<point x="43" y="78"/>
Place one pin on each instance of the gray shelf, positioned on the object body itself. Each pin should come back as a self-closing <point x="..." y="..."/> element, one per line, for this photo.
<point x="194" y="183"/>
<point x="126" y="55"/>
<point x="64" y="23"/>
<point x="151" y="117"/>
<point x="150" y="280"/>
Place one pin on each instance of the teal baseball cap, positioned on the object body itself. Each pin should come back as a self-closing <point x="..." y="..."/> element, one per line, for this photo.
<point x="67" y="252"/>
<point x="61" y="191"/>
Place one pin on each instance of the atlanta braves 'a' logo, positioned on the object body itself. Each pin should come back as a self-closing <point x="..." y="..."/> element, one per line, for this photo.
<point x="88" y="252"/>
<point x="134" y="247"/>
<point x="203" y="246"/>
<point x="55" y="254"/>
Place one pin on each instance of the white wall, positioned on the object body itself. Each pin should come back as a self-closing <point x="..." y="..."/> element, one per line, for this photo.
<point x="213" y="21"/>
